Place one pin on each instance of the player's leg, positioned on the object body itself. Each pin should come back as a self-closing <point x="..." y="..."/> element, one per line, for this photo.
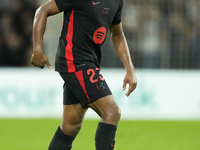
<point x="107" y="109"/>
<point x="110" y="115"/>
<point x="73" y="114"/>
<point x="72" y="120"/>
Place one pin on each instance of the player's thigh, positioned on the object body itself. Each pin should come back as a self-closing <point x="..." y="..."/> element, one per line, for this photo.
<point x="73" y="112"/>
<point x="107" y="109"/>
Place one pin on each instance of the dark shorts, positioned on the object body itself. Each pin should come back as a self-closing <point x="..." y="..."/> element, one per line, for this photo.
<point x="84" y="86"/>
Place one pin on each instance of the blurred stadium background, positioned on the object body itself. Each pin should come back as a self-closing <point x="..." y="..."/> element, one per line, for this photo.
<point x="164" y="111"/>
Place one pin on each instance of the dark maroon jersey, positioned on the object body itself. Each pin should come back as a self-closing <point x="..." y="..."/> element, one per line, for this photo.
<point x="85" y="26"/>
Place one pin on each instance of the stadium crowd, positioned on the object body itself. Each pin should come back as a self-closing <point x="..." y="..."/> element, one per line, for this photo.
<point x="160" y="33"/>
<point x="163" y="33"/>
<point x="16" y="20"/>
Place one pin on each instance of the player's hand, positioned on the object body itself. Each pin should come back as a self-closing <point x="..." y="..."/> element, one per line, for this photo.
<point x="38" y="59"/>
<point x="130" y="78"/>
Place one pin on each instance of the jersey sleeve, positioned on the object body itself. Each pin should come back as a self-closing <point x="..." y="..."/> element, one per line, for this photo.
<point x="65" y="4"/>
<point x="117" y="18"/>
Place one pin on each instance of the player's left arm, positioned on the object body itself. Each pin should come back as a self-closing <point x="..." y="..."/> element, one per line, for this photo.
<point x="122" y="49"/>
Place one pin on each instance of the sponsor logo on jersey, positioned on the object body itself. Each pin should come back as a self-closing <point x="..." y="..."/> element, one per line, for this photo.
<point x="99" y="35"/>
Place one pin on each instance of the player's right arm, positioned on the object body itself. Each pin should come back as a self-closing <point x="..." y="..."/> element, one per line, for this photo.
<point x="38" y="58"/>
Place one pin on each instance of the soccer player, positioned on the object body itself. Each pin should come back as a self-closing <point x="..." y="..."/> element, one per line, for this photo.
<point x="85" y="26"/>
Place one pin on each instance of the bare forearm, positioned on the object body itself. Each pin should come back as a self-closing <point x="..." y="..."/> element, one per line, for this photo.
<point x="40" y="21"/>
<point x="39" y="27"/>
<point x="120" y="44"/>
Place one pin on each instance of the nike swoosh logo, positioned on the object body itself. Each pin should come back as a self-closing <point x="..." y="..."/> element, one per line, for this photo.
<point x="95" y="3"/>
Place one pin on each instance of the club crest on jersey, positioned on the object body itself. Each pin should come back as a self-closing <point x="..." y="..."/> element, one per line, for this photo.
<point x="99" y="35"/>
<point x="105" y="12"/>
<point x="100" y="86"/>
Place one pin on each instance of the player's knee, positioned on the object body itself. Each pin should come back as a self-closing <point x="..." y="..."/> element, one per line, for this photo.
<point x="112" y="116"/>
<point x="118" y="114"/>
<point x="74" y="127"/>
<point x="71" y="130"/>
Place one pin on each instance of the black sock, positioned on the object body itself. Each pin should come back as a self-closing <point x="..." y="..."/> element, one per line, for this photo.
<point x="105" y="135"/>
<point x="61" y="141"/>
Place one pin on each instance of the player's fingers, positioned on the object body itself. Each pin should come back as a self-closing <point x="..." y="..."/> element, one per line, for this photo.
<point x="124" y="86"/>
<point x="48" y="64"/>
<point x="131" y="89"/>
<point x="129" y="92"/>
<point x="31" y="62"/>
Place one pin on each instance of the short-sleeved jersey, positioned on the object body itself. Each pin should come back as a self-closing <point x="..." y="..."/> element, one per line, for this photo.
<point x="85" y="26"/>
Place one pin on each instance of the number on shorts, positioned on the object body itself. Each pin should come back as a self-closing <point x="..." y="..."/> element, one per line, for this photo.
<point x="92" y="73"/>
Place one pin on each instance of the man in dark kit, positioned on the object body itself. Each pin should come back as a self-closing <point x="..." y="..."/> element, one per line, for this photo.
<point x="78" y="58"/>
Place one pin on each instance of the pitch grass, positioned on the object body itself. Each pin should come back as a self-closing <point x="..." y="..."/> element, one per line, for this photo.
<point x="35" y="134"/>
